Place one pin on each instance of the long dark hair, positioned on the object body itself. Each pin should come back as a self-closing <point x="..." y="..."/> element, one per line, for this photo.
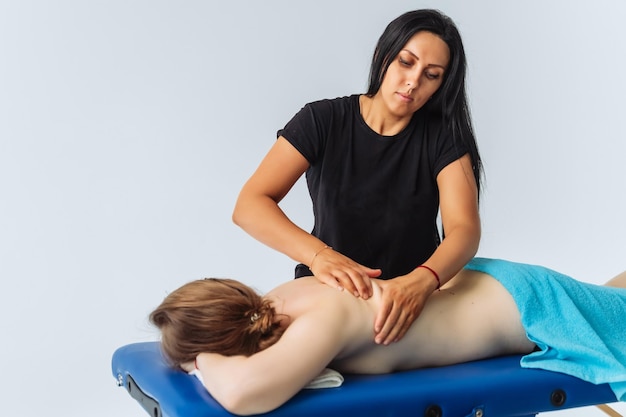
<point x="450" y="100"/>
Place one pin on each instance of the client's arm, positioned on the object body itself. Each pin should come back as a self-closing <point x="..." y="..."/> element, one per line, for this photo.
<point x="267" y="379"/>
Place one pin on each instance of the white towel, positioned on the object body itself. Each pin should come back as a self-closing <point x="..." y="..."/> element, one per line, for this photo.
<point x="328" y="378"/>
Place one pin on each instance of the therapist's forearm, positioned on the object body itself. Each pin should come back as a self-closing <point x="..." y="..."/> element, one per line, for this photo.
<point x="263" y="219"/>
<point x="457" y="248"/>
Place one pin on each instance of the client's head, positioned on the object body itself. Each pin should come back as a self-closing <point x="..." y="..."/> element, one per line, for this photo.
<point x="214" y="315"/>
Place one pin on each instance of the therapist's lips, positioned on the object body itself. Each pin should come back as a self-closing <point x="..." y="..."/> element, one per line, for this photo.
<point x="405" y="97"/>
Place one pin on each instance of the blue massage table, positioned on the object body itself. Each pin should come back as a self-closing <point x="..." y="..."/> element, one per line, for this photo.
<point x="496" y="387"/>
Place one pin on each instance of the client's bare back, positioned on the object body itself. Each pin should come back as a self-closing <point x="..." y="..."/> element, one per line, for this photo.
<point x="472" y="317"/>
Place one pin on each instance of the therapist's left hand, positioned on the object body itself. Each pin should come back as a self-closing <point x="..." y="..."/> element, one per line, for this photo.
<point x="403" y="299"/>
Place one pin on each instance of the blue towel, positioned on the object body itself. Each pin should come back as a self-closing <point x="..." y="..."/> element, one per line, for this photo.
<point x="579" y="328"/>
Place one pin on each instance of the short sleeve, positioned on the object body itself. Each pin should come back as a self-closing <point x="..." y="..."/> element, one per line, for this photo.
<point x="307" y="130"/>
<point x="445" y="149"/>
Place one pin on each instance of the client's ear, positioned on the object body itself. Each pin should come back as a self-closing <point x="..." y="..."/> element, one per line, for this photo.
<point x="188" y="366"/>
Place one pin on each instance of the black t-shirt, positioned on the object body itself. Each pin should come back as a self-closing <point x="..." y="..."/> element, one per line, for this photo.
<point x="375" y="198"/>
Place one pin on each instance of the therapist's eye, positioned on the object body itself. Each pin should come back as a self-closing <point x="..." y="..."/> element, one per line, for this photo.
<point x="404" y="62"/>
<point x="433" y="75"/>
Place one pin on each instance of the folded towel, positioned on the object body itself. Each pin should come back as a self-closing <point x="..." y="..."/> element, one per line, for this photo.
<point x="328" y="378"/>
<point x="579" y="328"/>
<point x="197" y="374"/>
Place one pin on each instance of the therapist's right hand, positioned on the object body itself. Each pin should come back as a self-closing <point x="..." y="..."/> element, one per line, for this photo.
<point x="340" y="272"/>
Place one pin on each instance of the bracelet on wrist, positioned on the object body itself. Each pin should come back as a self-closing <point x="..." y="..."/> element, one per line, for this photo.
<point x="435" y="274"/>
<point x="317" y="253"/>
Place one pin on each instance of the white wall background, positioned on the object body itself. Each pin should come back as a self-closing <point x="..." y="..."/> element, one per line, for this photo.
<point x="128" y="127"/>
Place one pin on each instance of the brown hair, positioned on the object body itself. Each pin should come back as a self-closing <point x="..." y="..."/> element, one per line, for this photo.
<point x="214" y="315"/>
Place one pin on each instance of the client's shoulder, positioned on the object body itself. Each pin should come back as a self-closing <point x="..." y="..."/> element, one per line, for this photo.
<point x="308" y="295"/>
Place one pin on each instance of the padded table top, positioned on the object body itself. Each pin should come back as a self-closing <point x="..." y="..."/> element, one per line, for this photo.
<point x="491" y="387"/>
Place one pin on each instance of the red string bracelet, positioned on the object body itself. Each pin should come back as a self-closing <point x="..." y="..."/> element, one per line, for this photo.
<point x="435" y="274"/>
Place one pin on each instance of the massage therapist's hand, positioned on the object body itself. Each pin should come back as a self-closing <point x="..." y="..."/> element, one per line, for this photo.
<point x="340" y="272"/>
<point x="403" y="299"/>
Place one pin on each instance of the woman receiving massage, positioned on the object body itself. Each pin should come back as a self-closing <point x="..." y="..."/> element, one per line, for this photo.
<point x="255" y="352"/>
